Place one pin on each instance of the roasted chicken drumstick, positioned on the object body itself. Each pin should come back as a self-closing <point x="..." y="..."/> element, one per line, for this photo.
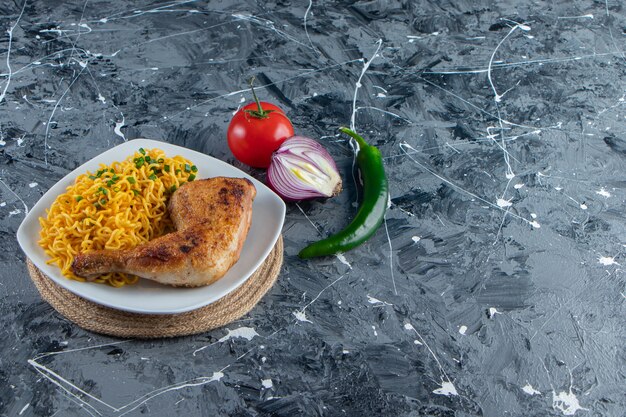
<point x="212" y="218"/>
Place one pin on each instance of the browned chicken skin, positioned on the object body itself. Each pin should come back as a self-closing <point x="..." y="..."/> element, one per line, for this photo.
<point x="212" y="218"/>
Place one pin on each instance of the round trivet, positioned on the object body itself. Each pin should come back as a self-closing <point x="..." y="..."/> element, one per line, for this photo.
<point x="105" y="320"/>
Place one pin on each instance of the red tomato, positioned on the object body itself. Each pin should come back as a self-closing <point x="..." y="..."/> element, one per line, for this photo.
<point x="253" y="139"/>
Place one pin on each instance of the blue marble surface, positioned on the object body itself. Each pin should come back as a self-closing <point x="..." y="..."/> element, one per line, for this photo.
<point x="495" y="286"/>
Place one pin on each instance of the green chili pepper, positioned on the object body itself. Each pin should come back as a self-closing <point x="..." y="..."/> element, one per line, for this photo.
<point x="371" y="210"/>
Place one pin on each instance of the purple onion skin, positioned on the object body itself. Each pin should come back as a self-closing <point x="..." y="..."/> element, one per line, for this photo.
<point x="300" y="149"/>
<point x="285" y="199"/>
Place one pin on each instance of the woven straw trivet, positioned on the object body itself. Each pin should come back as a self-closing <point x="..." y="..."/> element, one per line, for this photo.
<point x="105" y="320"/>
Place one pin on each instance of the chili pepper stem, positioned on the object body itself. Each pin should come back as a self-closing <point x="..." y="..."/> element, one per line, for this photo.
<point x="362" y="143"/>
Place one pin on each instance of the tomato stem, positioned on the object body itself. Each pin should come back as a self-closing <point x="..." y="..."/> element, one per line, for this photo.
<point x="259" y="113"/>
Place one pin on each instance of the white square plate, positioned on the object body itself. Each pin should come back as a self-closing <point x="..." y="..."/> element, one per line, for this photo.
<point x="146" y="296"/>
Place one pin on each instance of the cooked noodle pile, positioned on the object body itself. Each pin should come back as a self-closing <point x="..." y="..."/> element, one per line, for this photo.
<point x="118" y="207"/>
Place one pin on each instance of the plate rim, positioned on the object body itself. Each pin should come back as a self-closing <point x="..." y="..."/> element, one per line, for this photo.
<point x="65" y="283"/>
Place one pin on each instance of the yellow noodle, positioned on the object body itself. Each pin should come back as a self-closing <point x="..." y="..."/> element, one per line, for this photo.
<point x="107" y="210"/>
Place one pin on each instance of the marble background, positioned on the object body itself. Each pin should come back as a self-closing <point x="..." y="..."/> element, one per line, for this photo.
<point x="495" y="286"/>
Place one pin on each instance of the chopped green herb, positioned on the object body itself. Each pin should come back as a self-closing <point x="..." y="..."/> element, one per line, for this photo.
<point x="142" y="151"/>
<point x="153" y="177"/>
<point x="102" y="190"/>
<point x="178" y="171"/>
<point x="91" y="177"/>
<point x="187" y="168"/>
<point x="160" y="160"/>
<point x="166" y="168"/>
<point x="191" y="177"/>
<point x="139" y="162"/>
<point x="115" y="178"/>
<point x="173" y="188"/>
<point x="131" y="180"/>
<point x="136" y="192"/>
<point x="148" y="158"/>
<point x="112" y="171"/>
<point x="194" y="168"/>
<point x="110" y="183"/>
<point x="103" y="201"/>
<point x="78" y="198"/>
